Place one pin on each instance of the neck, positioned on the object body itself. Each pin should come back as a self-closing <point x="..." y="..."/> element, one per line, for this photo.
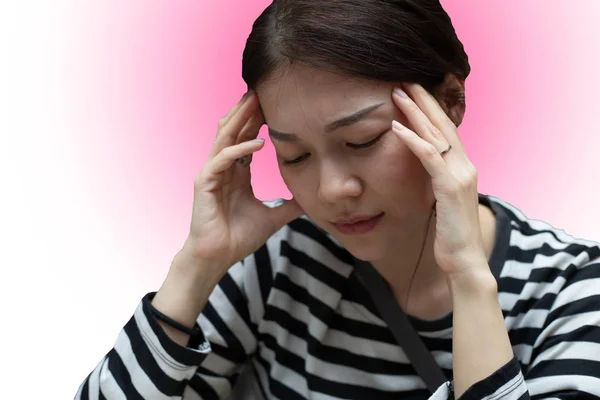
<point x="412" y="268"/>
<point x="420" y="286"/>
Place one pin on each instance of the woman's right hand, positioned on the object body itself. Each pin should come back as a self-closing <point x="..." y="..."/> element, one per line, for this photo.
<point x="228" y="221"/>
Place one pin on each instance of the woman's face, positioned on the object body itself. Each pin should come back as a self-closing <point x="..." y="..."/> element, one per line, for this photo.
<point x="339" y="169"/>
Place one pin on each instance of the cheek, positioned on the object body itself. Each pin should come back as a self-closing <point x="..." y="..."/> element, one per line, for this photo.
<point x="395" y="172"/>
<point x="301" y="185"/>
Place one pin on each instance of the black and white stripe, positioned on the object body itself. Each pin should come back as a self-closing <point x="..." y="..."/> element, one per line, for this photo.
<point x="292" y="322"/>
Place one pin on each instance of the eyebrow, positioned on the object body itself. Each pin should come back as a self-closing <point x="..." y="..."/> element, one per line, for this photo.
<point x="340" y="123"/>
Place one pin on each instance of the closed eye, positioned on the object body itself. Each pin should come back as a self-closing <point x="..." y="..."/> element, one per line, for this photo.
<point x="351" y="145"/>
<point x="364" y="145"/>
<point x="296" y="160"/>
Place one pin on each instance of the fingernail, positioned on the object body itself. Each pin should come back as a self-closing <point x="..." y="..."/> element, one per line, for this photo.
<point x="400" y="93"/>
<point x="260" y="140"/>
<point x="397" y="126"/>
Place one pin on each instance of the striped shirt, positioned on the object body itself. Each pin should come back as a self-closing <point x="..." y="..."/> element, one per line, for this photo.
<point x="292" y="321"/>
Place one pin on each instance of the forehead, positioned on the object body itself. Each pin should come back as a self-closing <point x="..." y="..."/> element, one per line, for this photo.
<point x="313" y="95"/>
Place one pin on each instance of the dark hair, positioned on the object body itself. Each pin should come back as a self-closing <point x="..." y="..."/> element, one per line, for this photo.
<point x="383" y="40"/>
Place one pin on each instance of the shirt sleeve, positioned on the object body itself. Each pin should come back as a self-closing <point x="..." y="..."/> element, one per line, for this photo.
<point x="146" y="364"/>
<point x="507" y="383"/>
<point x="565" y="362"/>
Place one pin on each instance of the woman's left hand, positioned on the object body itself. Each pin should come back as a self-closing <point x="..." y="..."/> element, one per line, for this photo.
<point x="458" y="245"/>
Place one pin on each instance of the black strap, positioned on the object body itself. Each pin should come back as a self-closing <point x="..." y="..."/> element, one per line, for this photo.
<point x="179" y="326"/>
<point x="401" y="328"/>
<point x="398" y="321"/>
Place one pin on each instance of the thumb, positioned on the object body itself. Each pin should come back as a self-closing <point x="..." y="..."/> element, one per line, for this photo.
<point x="285" y="213"/>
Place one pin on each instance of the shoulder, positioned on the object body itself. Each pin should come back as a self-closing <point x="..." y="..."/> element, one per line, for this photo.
<point x="301" y="241"/>
<point x="549" y="291"/>
<point x="545" y="268"/>
<point x="541" y="250"/>
<point x="298" y="251"/>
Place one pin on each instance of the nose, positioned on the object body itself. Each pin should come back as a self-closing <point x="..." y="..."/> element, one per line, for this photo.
<point x="337" y="183"/>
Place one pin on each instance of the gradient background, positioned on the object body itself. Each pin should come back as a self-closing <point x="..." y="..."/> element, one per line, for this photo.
<point x="108" y="109"/>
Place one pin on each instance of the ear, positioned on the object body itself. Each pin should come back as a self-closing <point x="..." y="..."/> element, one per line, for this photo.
<point x="451" y="97"/>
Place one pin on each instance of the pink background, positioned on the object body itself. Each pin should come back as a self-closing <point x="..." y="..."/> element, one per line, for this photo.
<point x="133" y="90"/>
<point x="150" y="82"/>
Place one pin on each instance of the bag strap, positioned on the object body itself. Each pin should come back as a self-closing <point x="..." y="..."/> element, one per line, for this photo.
<point x="401" y="328"/>
<point x="398" y="321"/>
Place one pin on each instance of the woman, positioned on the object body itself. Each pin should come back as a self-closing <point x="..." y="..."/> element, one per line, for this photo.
<point x="362" y="100"/>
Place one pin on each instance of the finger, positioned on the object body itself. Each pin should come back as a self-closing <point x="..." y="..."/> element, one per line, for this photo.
<point x="252" y="128"/>
<point x="426" y="152"/>
<point x="234" y="109"/>
<point x="420" y="122"/>
<point x="432" y="109"/>
<point x="227" y="157"/>
<point x="228" y="132"/>
<point x="285" y="213"/>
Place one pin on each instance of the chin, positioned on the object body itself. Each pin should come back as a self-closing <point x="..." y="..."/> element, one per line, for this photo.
<point x="364" y="247"/>
<point x="364" y="251"/>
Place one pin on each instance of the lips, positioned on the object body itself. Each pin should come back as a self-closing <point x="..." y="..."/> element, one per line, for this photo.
<point x="354" y="219"/>
<point x="358" y="224"/>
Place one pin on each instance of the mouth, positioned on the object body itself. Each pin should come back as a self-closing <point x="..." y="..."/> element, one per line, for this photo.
<point x="357" y="225"/>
